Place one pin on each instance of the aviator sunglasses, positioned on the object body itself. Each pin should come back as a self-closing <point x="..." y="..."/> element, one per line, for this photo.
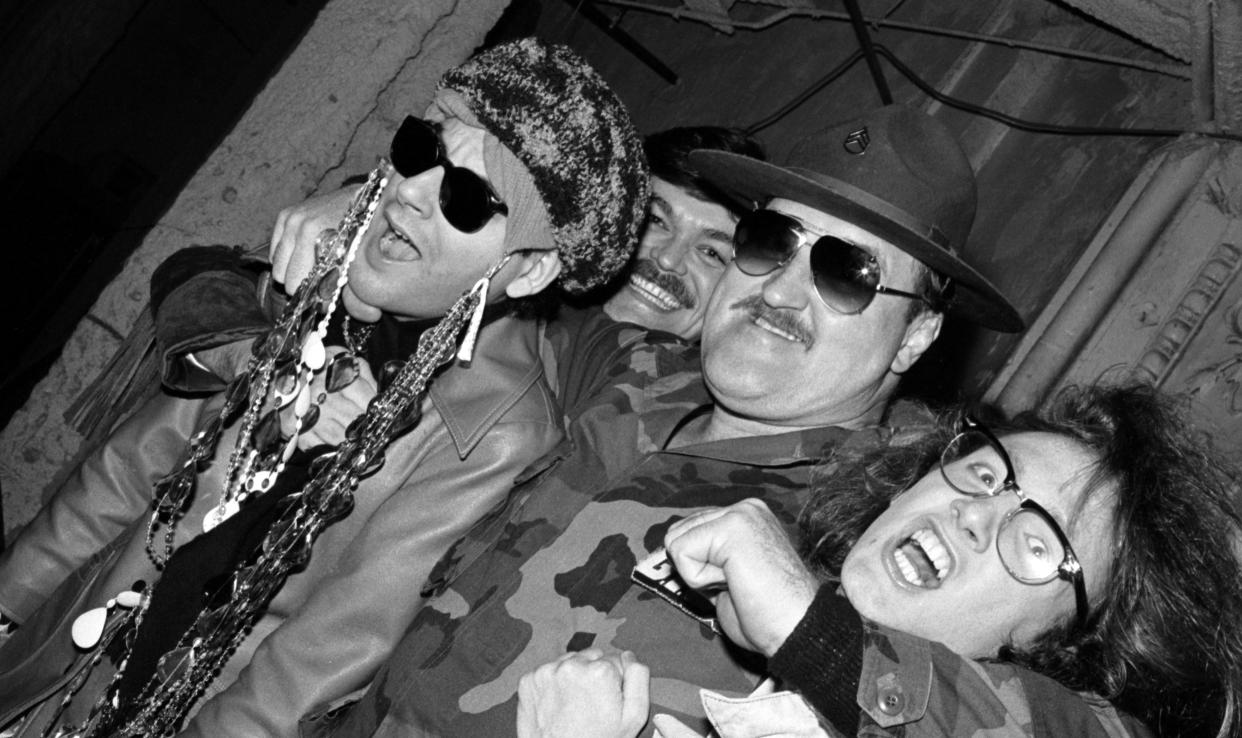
<point x="466" y="199"/>
<point x="846" y="276"/>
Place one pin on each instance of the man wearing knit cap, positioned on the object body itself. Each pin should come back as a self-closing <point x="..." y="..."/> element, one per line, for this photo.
<point x="840" y="280"/>
<point x="685" y="246"/>
<point x="525" y="170"/>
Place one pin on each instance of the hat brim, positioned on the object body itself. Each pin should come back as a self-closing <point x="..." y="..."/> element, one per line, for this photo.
<point x="974" y="297"/>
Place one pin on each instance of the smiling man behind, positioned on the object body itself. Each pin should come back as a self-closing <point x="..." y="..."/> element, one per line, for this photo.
<point x="688" y="239"/>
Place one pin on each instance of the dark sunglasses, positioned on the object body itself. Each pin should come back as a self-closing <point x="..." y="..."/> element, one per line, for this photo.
<point x="847" y="277"/>
<point x="466" y="199"/>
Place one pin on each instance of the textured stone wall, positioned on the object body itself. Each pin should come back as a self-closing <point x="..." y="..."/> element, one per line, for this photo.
<point x="325" y="114"/>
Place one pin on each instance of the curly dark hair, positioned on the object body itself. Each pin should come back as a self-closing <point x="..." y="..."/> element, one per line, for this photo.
<point x="1163" y="640"/>
<point x="668" y="156"/>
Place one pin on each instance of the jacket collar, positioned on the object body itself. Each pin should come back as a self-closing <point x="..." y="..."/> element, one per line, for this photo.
<point x="789" y="448"/>
<point x="472" y="398"/>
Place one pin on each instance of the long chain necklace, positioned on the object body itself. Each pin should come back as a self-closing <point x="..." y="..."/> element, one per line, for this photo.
<point x="255" y="463"/>
<point x="328" y="496"/>
<point x="295" y="344"/>
<point x="184" y="672"/>
<point x="292" y="350"/>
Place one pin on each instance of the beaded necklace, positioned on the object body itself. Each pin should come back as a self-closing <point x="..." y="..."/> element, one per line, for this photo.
<point x="295" y="344"/>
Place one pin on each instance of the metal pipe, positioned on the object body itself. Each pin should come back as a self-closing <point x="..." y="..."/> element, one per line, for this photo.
<point x="1203" y="83"/>
<point x="864" y="43"/>
<point x="608" y="26"/>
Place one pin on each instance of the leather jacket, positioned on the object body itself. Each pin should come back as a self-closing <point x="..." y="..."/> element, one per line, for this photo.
<point x="331" y="625"/>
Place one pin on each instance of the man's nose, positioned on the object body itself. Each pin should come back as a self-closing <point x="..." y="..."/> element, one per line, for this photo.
<point x="421" y="192"/>
<point x="790" y="285"/>
<point x="670" y="254"/>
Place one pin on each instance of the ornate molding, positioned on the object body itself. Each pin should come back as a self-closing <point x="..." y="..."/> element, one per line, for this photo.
<point x="1186" y="319"/>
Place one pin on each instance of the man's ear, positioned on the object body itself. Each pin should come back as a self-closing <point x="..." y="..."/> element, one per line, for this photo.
<point x="538" y="269"/>
<point x="921" y="333"/>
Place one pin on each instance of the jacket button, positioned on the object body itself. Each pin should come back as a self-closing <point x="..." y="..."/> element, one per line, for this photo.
<point x="891" y="701"/>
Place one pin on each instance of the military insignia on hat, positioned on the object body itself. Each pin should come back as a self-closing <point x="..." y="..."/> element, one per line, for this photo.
<point x="901" y="175"/>
<point x="856" y="142"/>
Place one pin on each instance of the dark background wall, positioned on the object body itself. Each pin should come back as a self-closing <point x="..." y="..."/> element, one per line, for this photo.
<point x="109" y="108"/>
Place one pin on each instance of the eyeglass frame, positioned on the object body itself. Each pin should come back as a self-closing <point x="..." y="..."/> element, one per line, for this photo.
<point x="494" y="205"/>
<point x="1070" y="569"/>
<point x="804" y="233"/>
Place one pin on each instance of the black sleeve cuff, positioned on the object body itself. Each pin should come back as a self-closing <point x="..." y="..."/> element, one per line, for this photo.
<point x="822" y="659"/>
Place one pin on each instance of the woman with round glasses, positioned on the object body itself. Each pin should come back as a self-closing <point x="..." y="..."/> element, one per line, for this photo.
<point x="979" y="580"/>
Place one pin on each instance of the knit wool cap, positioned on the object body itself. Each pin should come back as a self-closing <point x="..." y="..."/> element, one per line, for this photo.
<point x="548" y="107"/>
<point x="527" y="225"/>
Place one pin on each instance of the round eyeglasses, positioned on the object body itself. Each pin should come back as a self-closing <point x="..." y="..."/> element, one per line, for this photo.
<point x="1032" y="545"/>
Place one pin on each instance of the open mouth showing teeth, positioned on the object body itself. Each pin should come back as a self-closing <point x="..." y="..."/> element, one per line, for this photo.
<point x="654" y="294"/>
<point x="773" y="328"/>
<point x="922" y="559"/>
<point x="395" y="246"/>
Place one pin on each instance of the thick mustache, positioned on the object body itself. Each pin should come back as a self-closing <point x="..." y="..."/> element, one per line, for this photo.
<point x="670" y="283"/>
<point x="785" y="320"/>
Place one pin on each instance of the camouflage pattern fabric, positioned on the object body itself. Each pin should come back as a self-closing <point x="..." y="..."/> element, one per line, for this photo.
<point x="911" y="687"/>
<point x="549" y="571"/>
<point x="923" y="690"/>
<point x="866" y="679"/>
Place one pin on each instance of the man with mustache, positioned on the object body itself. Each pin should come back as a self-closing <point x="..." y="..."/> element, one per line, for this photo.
<point x="684" y="249"/>
<point x="839" y="283"/>
<point x="688" y="239"/>
<point x="685" y="246"/>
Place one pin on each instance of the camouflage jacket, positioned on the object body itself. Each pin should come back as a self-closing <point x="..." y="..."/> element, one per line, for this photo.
<point x="908" y="686"/>
<point x="549" y="571"/>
